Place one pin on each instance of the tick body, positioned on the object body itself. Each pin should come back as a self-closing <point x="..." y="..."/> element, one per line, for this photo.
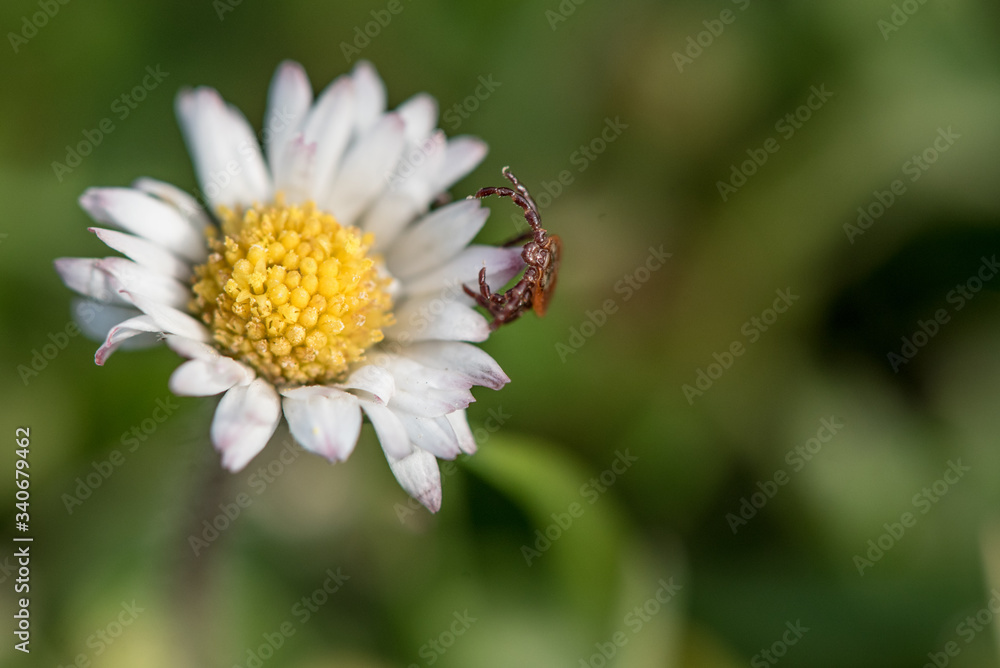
<point x="541" y="254"/>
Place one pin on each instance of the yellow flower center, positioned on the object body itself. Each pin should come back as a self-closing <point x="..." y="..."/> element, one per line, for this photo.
<point x="292" y="293"/>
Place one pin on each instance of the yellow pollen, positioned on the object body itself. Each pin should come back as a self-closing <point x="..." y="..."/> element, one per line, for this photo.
<point x="292" y="293"/>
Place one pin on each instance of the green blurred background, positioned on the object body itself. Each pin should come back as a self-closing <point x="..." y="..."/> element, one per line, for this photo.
<point x="457" y="589"/>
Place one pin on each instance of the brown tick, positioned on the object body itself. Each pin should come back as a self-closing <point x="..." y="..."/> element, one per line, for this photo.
<point x="541" y="255"/>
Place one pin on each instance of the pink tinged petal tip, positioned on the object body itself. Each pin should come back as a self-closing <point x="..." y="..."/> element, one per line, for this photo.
<point x="123" y="331"/>
<point x="419" y="476"/>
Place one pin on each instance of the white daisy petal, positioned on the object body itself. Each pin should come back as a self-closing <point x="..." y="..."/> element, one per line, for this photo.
<point x="249" y="156"/>
<point x="96" y="319"/>
<point x="366" y="165"/>
<point x="329" y="126"/>
<point x="434" y="435"/>
<point x="191" y="348"/>
<point x="409" y="192"/>
<point x="473" y="363"/>
<point x="370" y="93"/>
<point x="460" y="423"/>
<point x="207" y="377"/>
<point x="415" y="174"/>
<point x="376" y="381"/>
<point x="297" y="166"/>
<point x="368" y="168"/>
<point x="327" y="422"/>
<point x="142" y="214"/>
<point x="82" y="275"/>
<point x="144" y="252"/>
<point x="412" y="376"/>
<point x="418" y="474"/>
<point x="429" y="317"/>
<point x="214" y="146"/>
<point x="388" y="216"/>
<point x="462" y="155"/>
<point x="288" y="102"/>
<point x="140" y="324"/>
<point x="502" y="264"/>
<point x="138" y="279"/>
<point x="431" y="403"/>
<point x="244" y="422"/>
<point x="436" y="238"/>
<point x="168" y="319"/>
<point x="187" y="206"/>
<point x="390" y="430"/>
<point x="420" y="114"/>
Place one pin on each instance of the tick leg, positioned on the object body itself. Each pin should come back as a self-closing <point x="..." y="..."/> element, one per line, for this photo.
<point x="485" y="297"/>
<point x="527" y="204"/>
<point x="520" y="188"/>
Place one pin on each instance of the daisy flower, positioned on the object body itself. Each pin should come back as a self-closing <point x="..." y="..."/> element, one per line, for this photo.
<point x="316" y="282"/>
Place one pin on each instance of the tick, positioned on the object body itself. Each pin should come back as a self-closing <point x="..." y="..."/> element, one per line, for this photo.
<point x="541" y="254"/>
